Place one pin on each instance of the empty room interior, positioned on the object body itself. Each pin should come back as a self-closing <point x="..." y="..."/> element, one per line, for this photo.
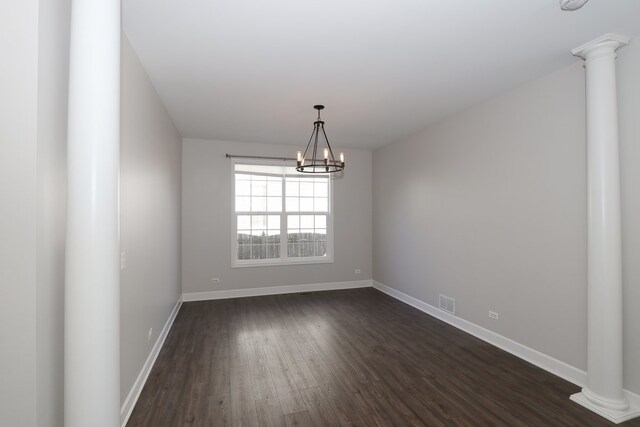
<point x="320" y="213"/>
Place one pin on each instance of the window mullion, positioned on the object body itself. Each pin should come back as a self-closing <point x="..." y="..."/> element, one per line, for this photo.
<point x="284" y="236"/>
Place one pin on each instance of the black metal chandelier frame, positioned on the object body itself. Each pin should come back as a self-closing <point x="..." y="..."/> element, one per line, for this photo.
<point x="310" y="161"/>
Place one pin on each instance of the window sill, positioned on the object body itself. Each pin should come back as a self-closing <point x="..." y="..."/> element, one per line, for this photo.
<point x="288" y="262"/>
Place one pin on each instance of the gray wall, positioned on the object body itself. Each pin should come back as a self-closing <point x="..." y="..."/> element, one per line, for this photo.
<point x="629" y="119"/>
<point x="489" y="207"/>
<point x="206" y="221"/>
<point x="33" y="127"/>
<point x="53" y="78"/>
<point x="18" y="145"/>
<point x="149" y="216"/>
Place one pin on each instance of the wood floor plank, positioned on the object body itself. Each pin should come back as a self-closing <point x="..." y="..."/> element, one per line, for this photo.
<point x="353" y="357"/>
<point x="270" y="413"/>
<point x="298" y="419"/>
<point x="263" y="387"/>
<point x="243" y="408"/>
<point x="218" y="411"/>
<point x="318" y="407"/>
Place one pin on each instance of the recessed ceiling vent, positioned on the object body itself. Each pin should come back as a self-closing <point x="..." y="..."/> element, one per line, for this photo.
<point x="572" y="4"/>
<point x="447" y="304"/>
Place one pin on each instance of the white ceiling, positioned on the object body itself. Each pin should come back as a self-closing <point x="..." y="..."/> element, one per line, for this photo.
<point x="251" y="70"/>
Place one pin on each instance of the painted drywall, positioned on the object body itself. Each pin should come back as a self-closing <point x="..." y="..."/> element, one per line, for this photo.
<point x="489" y="207"/>
<point x="149" y="217"/>
<point x="206" y="221"/>
<point x="53" y="78"/>
<point x="18" y="146"/>
<point x="628" y="75"/>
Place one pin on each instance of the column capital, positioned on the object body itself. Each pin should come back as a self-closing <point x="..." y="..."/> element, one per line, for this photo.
<point x="606" y="44"/>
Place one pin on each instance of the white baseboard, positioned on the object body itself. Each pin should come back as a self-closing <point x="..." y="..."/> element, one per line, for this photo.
<point x="616" y="417"/>
<point x="134" y="393"/>
<point x="633" y="398"/>
<point x="548" y="363"/>
<point x="274" y="290"/>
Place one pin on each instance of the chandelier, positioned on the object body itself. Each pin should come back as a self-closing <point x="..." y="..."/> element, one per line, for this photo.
<point x="318" y="157"/>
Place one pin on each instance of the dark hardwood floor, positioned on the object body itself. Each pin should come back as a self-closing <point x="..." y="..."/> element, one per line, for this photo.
<point x="354" y="357"/>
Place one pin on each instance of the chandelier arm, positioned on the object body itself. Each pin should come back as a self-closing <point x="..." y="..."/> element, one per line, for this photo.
<point x="333" y="159"/>
<point x="304" y="156"/>
<point x="316" y="127"/>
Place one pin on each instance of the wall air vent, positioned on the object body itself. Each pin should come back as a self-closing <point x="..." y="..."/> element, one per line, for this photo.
<point x="447" y="304"/>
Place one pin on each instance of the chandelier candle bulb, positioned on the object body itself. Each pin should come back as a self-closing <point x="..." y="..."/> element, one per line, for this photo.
<point x="342" y="158"/>
<point x="299" y="158"/>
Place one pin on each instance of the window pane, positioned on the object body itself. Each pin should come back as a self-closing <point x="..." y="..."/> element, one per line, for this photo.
<point x="293" y="221"/>
<point x="306" y="189"/>
<point x="258" y="222"/>
<point x="274" y="187"/>
<point x="293" y="204"/>
<point x="244" y="222"/>
<point x="322" y="249"/>
<point x="244" y="252"/>
<point x="306" y="221"/>
<point x="243" y="204"/>
<point x="321" y="188"/>
<point x="259" y="186"/>
<point x="306" y="204"/>
<point x="274" y="204"/>
<point x="244" y="237"/>
<point x="243" y="188"/>
<point x="293" y="187"/>
<point x="320" y="221"/>
<point x="258" y="204"/>
<point x="274" y="222"/>
<point x="321" y="205"/>
<point x="274" y="251"/>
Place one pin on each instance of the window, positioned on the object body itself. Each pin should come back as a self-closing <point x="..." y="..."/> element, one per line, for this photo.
<point x="280" y="216"/>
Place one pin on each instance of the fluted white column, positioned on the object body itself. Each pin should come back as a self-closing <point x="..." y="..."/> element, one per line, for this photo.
<point x="604" y="391"/>
<point x="92" y="290"/>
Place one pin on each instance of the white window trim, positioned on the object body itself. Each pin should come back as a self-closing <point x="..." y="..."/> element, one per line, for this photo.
<point x="284" y="259"/>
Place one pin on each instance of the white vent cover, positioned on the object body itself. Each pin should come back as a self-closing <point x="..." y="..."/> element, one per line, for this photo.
<point x="447" y="304"/>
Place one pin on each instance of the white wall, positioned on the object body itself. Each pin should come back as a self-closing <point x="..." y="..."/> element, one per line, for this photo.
<point x="53" y="77"/>
<point x="150" y="204"/>
<point x="206" y="221"/>
<point x="18" y="144"/>
<point x="489" y="207"/>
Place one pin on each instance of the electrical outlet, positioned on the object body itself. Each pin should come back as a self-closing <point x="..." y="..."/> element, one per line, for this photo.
<point x="123" y="260"/>
<point x="358" y="271"/>
<point x="215" y="281"/>
<point x="494" y="315"/>
<point x="149" y="334"/>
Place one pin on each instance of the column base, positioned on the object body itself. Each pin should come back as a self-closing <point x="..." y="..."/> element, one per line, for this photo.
<point x="615" y="416"/>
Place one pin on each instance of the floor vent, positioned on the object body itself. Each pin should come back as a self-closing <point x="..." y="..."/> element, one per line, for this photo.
<point x="305" y="293"/>
<point x="447" y="304"/>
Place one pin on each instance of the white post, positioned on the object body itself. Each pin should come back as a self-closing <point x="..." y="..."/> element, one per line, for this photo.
<point x="604" y="391"/>
<point x="92" y="292"/>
